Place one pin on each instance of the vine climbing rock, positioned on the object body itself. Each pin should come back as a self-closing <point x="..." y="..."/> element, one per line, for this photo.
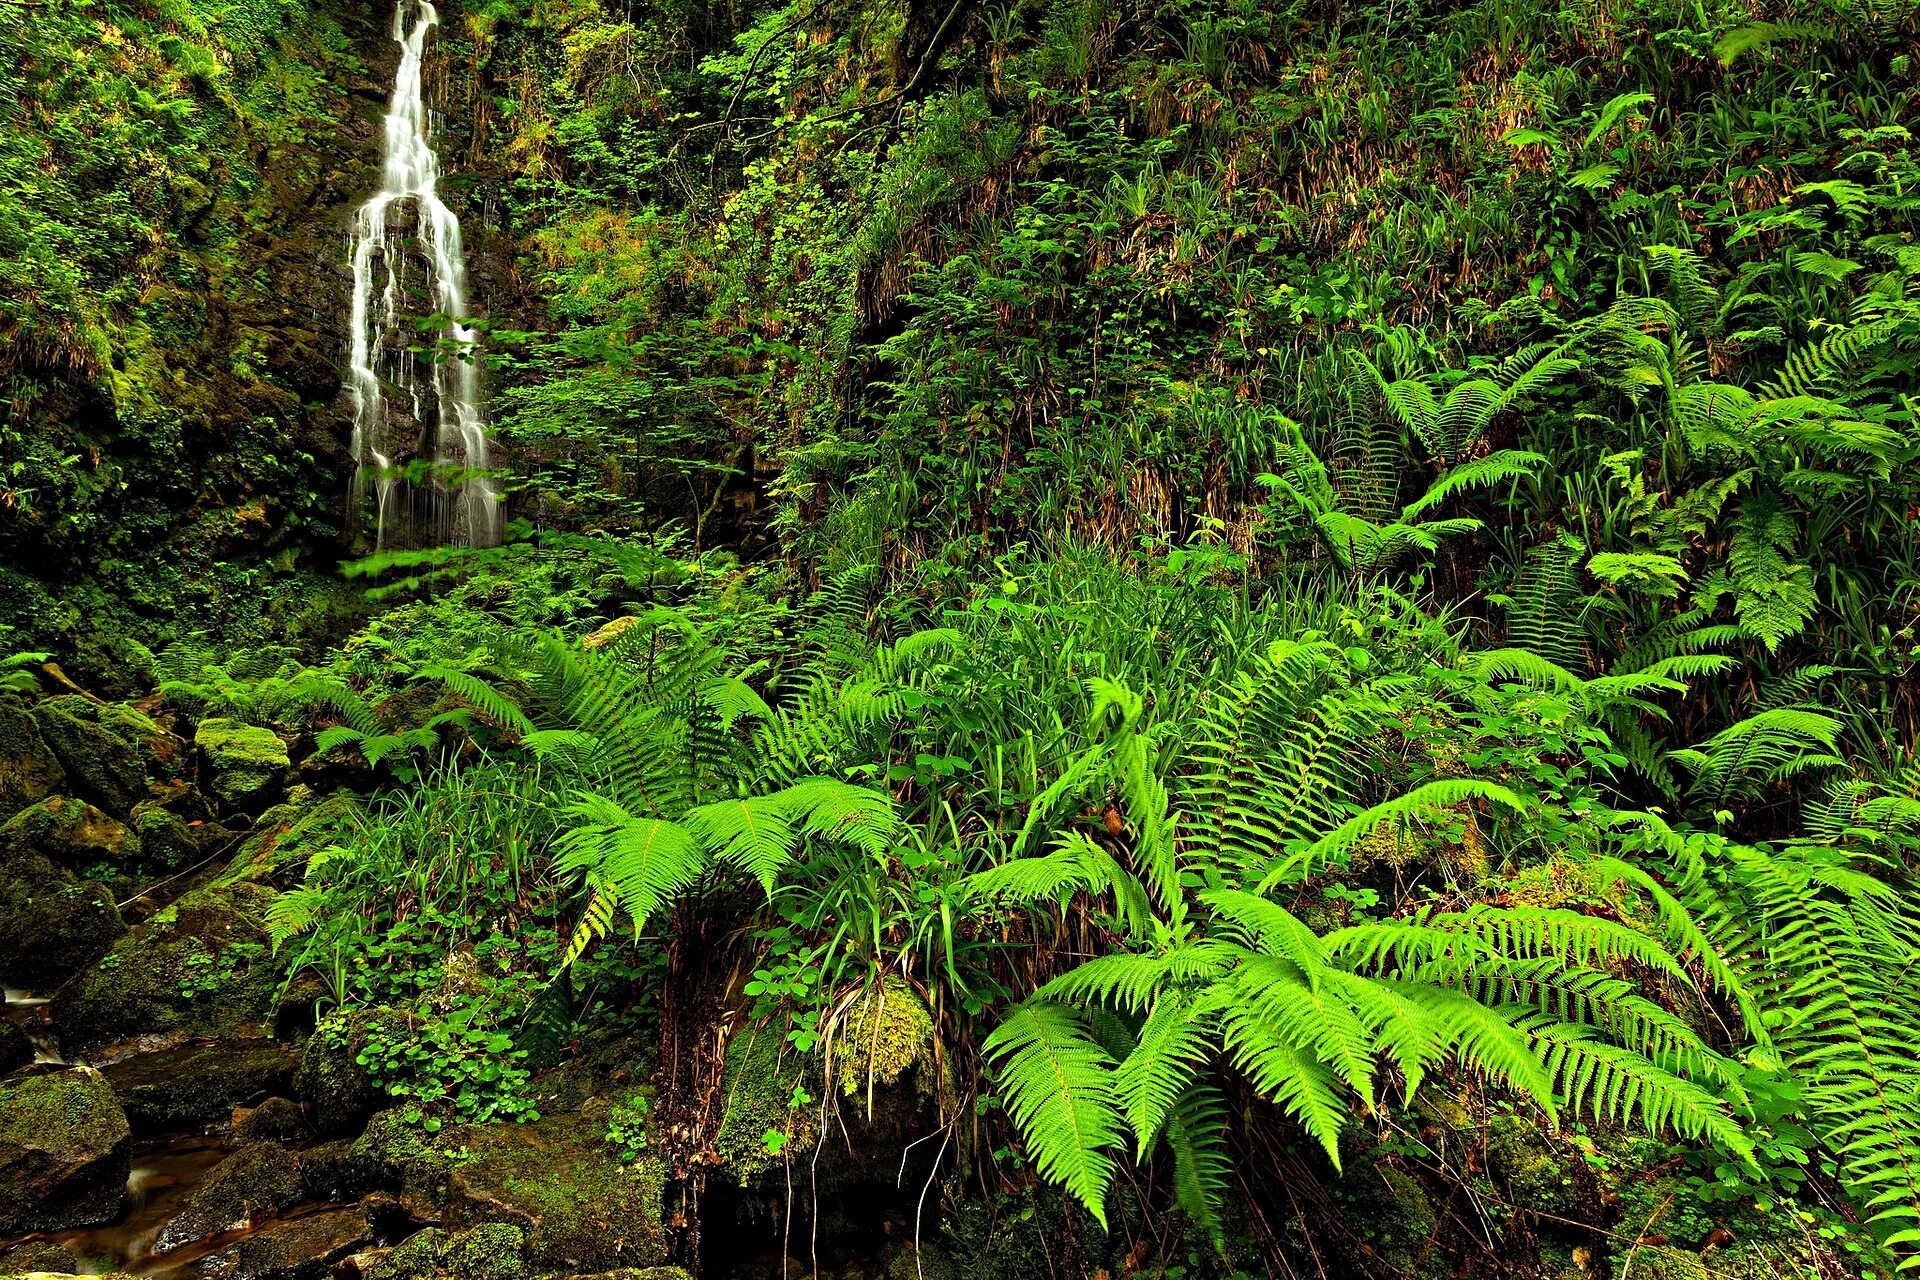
<point x="65" y="1151"/>
<point x="246" y="760"/>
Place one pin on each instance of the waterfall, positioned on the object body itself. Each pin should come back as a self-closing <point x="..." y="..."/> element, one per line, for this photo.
<point x="401" y="415"/>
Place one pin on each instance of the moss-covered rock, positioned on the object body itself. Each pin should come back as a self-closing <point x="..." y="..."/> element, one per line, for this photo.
<point x="1534" y="1174"/>
<point x="40" y="1257"/>
<point x="490" y="1251"/>
<point x="110" y="753"/>
<point x="579" y="1206"/>
<point x="198" y="968"/>
<point x="340" y="1093"/>
<point x="759" y="1086"/>
<point x="246" y="760"/>
<point x="1663" y="1262"/>
<point x="299" y="1248"/>
<point x="259" y="1179"/>
<point x="70" y="832"/>
<point x="200" y="1082"/>
<point x="29" y="770"/>
<point x="632" y="1273"/>
<point x="1390" y="1208"/>
<point x="65" y="1151"/>
<point x="885" y="1033"/>
<point x="286" y="836"/>
<point x="51" y="922"/>
<point x="169" y="842"/>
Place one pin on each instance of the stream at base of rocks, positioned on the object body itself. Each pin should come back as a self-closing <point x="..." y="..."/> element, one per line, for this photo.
<point x="164" y="1171"/>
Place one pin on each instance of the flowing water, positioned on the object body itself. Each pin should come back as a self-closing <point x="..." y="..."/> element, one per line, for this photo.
<point x="406" y="251"/>
<point x="31" y="1014"/>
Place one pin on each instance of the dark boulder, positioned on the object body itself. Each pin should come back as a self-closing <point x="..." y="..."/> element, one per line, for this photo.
<point x="300" y="1248"/>
<point x="257" y="1181"/>
<point x="201" y="1082"/>
<point x="16" y="1048"/>
<point x="65" y="1151"/>
<point x="51" y="923"/>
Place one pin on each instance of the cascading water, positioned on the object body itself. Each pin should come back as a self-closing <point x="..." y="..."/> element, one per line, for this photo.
<point x="399" y="416"/>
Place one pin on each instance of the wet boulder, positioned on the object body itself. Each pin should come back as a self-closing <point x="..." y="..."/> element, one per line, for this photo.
<point x="200" y="967"/>
<point x="336" y="1171"/>
<point x="70" y="832"/>
<point x="52" y="923"/>
<point x="65" y="1151"/>
<point x="275" y="1120"/>
<point x="29" y="770"/>
<point x="200" y="1083"/>
<point x="302" y="1248"/>
<point x="257" y="1181"/>
<point x="247" y="762"/>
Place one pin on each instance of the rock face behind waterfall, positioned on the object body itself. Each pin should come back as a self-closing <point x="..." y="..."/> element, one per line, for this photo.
<point x="206" y="422"/>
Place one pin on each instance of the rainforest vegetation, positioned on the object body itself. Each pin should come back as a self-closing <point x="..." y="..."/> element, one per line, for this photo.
<point x="1178" y="638"/>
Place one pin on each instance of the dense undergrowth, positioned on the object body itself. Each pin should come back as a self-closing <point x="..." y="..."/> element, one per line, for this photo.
<point x="1297" y="620"/>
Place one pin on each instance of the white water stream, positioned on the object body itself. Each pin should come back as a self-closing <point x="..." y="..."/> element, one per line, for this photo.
<point x="399" y="412"/>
